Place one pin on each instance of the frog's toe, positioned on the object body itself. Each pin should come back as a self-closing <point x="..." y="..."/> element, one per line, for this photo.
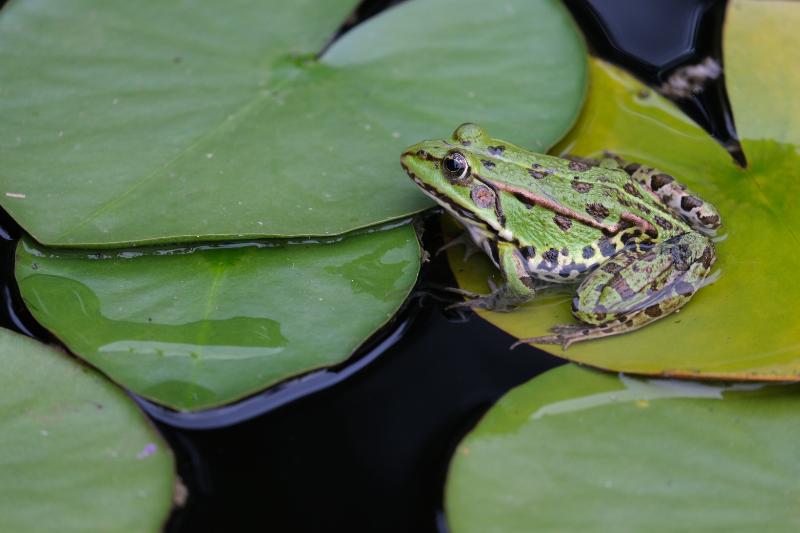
<point x="563" y="334"/>
<point x="568" y="334"/>
<point x="464" y="239"/>
<point x="490" y="302"/>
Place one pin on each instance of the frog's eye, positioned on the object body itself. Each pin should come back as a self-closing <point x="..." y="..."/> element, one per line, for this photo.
<point x="455" y="166"/>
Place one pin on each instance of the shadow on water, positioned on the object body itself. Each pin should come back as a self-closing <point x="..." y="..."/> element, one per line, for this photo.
<point x="364" y="446"/>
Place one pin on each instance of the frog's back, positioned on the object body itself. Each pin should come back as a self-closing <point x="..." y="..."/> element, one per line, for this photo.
<point x="568" y="216"/>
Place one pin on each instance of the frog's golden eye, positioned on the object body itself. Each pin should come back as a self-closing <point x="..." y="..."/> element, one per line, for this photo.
<point x="455" y="166"/>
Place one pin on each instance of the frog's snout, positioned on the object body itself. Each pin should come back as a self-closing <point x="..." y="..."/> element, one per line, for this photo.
<point x="410" y="159"/>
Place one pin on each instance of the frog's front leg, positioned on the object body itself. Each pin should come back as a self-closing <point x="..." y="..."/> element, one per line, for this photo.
<point x="518" y="286"/>
<point x="634" y="287"/>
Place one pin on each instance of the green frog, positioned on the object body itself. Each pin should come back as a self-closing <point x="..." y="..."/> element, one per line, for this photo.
<point x="635" y="239"/>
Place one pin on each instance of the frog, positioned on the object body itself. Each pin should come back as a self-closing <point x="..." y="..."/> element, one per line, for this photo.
<point x="636" y="242"/>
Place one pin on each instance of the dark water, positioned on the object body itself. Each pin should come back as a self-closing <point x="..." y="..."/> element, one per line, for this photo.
<point x="364" y="446"/>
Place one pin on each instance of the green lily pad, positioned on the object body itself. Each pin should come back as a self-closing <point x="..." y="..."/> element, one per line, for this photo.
<point x="199" y="327"/>
<point x="744" y="325"/>
<point x="165" y="122"/>
<point x="76" y="453"/>
<point x="580" y="450"/>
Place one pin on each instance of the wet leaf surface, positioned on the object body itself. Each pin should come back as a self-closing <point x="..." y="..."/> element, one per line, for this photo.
<point x="165" y="122"/>
<point x="193" y="328"/>
<point x="744" y="325"/>
<point x="76" y="453"/>
<point x="580" y="450"/>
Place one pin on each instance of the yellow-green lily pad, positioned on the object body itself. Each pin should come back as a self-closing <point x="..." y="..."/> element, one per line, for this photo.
<point x="744" y="325"/>
<point x="170" y="122"/>
<point x="580" y="450"/>
<point x="193" y="328"/>
<point x="76" y="454"/>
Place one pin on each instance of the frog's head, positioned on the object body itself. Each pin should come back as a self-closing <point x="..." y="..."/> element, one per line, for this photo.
<point x="448" y="171"/>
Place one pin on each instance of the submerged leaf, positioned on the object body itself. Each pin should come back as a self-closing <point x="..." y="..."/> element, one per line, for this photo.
<point x="580" y="450"/>
<point x="744" y="325"/>
<point x="193" y="328"/>
<point x="76" y="453"/>
<point x="167" y="122"/>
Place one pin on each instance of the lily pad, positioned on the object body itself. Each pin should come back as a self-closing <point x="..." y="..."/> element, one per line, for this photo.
<point x="76" y="453"/>
<point x="193" y="328"/>
<point x="744" y="325"/>
<point x="162" y="122"/>
<point x="580" y="450"/>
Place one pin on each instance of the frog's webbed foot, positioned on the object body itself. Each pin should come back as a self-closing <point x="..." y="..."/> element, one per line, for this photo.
<point x="501" y="299"/>
<point x="567" y="334"/>
<point x="470" y="248"/>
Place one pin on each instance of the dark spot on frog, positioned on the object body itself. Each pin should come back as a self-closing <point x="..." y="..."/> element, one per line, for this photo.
<point x="567" y="270"/>
<point x="597" y="210"/>
<point x="537" y="172"/>
<point x="659" y="180"/>
<point x="581" y="186"/>
<point x="578" y="166"/>
<point x="425" y="155"/>
<point x="631" y="235"/>
<point x="487" y="164"/>
<point x="528" y="282"/>
<point x="607" y="247"/>
<point x="562" y="222"/>
<point x="631" y="189"/>
<point x="666" y="224"/>
<point x="653" y="311"/>
<point x="588" y="251"/>
<point x="565" y="251"/>
<point x="683" y="288"/>
<point x="622" y="201"/>
<point x="708" y="256"/>
<point x="465" y="143"/>
<point x="680" y="255"/>
<point x="610" y="267"/>
<point x="632" y="168"/>
<point x="35" y="266"/>
<point x="690" y="202"/>
<point x="551" y="255"/>
<point x="620" y="285"/>
<point x="644" y="209"/>
<point x="528" y="252"/>
<point x="648" y="257"/>
<point x="712" y="221"/>
<point x="496" y="150"/>
<point x="482" y="196"/>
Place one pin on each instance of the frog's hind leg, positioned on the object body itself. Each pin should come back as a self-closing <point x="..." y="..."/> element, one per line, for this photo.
<point x="700" y="214"/>
<point x="635" y="287"/>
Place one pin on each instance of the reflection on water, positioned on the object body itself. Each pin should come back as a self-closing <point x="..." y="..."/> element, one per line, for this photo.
<point x="197" y="329"/>
<point x="641" y="389"/>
